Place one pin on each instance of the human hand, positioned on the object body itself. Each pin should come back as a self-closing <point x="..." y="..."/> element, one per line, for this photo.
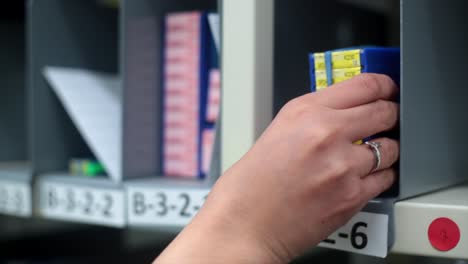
<point x="303" y="178"/>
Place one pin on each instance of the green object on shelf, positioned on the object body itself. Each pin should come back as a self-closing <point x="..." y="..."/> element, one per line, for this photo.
<point x="86" y="167"/>
<point x="93" y="168"/>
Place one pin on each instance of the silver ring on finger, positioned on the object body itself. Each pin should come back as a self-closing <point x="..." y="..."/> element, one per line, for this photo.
<point x="375" y="147"/>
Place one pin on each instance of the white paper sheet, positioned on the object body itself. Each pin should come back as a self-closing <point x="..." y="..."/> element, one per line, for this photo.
<point x="213" y="19"/>
<point x="93" y="102"/>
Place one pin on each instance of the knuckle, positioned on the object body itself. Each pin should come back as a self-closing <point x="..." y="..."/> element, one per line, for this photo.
<point x="293" y="102"/>
<point x="391" y="178"/>
<point x="396" y="152"/>
<point x="391" y="109"/>
<point x="384" y="106"/>
<point x="295" y="107"/>
<point x="387" y="147"/>
<point x="340" y="168"/>
<point x="353" y="196"/>
<point x="288" y="107"/>
<point x="385" y="80"/>
<point x="387" y="112"/>
<point x="386" y="155"/>
<point x="386" y="183"/>
<point x="323" y="136"/>
<point x="383" y="188"/>
<point x="389" y="151"/>
<point x="392" y="150"/>
<point x="370" y="82"/>
<point x="386" y="180"/>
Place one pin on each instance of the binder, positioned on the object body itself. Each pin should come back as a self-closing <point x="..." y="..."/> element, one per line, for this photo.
<point x="188" y="55"/>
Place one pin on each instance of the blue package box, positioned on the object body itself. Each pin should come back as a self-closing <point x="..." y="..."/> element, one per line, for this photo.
<point x="330" y="67"/>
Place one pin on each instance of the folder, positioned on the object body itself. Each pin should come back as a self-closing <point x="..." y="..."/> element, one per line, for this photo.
<point x="189" y="54"/>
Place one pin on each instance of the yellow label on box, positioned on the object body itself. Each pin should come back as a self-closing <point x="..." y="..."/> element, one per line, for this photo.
<point x="346" y="59"/>
<point x="339" y="75"/>
<point x="320" y="79"/>
<point x="319" y="61"/>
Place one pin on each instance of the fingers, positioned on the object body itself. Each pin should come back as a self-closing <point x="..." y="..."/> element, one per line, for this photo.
<point x="389" y="152"/>
<point x="377" y="182"/>
<point x="362" y="89"/>
<point x="369" y="119"/>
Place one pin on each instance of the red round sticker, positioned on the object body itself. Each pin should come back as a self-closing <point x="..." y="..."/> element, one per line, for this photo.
<point x="443" y="234"/>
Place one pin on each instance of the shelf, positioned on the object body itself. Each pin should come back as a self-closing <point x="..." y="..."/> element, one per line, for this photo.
<point x="414" y="216"/>
<point x="15" y="189"/>
<point x="79" y="199"/>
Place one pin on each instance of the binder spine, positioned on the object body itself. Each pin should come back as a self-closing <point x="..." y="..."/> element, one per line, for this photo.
<point x="188" y="56"/>
<point x="181" y="93"/>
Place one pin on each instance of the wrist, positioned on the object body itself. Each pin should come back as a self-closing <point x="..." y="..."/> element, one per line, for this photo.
<point x="227" y="237"/>
<point x="217" y="234"/>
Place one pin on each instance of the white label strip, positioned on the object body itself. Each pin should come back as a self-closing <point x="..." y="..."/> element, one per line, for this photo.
<point x="15" y="198"/>
<point x="83" y="204"/>
<point x="366" y="233"/>
<point x="174" y="207"/>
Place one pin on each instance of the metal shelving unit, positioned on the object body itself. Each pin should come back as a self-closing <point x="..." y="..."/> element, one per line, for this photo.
<point x="260" y="71"/>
